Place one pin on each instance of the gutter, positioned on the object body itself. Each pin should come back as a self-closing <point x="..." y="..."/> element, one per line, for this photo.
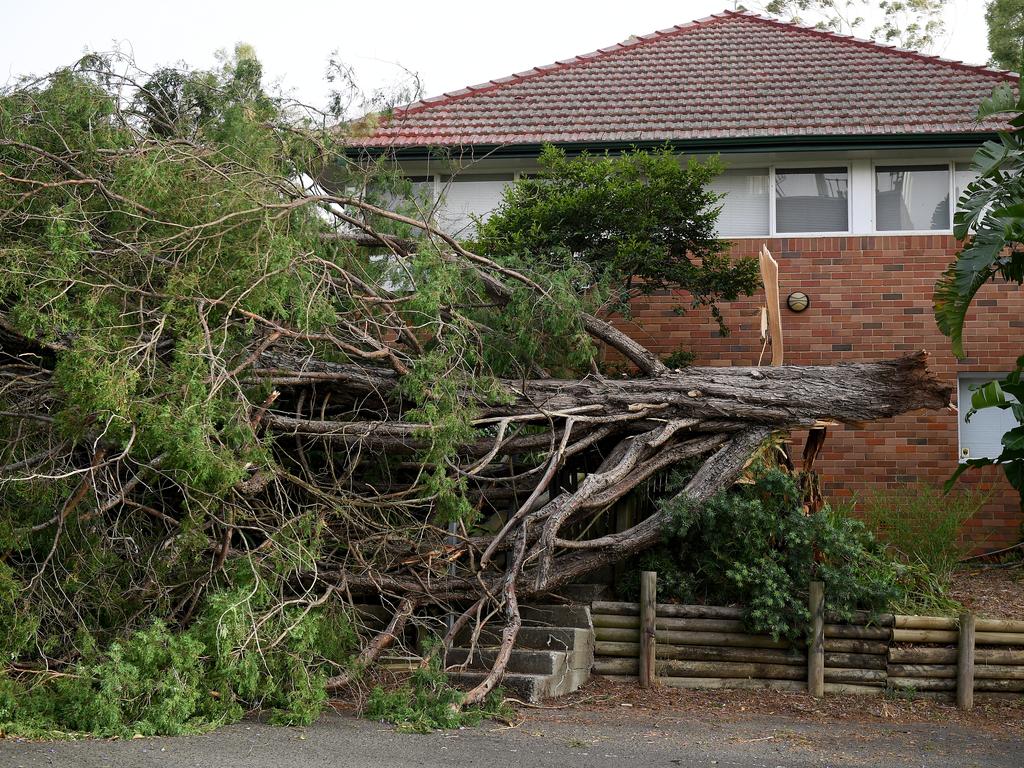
<point x="685" y="146"/>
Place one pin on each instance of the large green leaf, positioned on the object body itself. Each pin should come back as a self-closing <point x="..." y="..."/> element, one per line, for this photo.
<point x="1002" y="100"/>
<point x="987" y="396"/>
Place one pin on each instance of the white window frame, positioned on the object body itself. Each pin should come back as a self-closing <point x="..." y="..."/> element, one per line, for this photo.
<point x="797" y="165"/>
<point x="812" y="164"/>
<point x="951" y="172"/>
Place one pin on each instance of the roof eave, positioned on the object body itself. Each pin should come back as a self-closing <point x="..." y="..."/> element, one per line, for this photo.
<point x="700" y="146"/>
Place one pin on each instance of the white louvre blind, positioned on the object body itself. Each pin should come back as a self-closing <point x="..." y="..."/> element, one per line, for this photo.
<point x="467" y="196"/>
<point x="745" y="205"/>
<point x="912" y="197"/>
<point x="812" y="200"/>
<point x="980" y="438"/>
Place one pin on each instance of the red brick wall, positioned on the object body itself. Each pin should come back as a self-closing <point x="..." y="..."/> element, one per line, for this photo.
<point x="871" y="298"/>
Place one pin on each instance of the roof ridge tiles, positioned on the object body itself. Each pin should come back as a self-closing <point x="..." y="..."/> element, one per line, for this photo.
<point x="814" y="78"/>
<point x="561" y="64"/>
<point x="703" y="22"/>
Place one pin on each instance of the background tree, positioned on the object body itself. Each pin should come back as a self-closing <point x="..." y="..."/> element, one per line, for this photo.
<point x="627" y="225"/>
<point x="912" y="24"/>
<point x="990" y="218"/>
<point x="1005" y="20"/>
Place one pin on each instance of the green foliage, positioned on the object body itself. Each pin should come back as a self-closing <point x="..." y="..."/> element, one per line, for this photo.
<point x="634" y="223"/>
<point x="913" y="24"/>
<point x="159" y="681"/>
<point x="990" y="218"/>
<point x="755" y="546"/>
<point x="18" y="625"/>
<point x="1005" y="21"/>
<point x="922" y="525"/>
<point x="429" y="703"/>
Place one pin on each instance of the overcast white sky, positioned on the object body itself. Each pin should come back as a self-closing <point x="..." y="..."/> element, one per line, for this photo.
<point x="450" y="43"/>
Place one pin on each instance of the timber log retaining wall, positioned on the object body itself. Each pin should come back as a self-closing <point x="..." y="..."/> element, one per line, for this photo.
<point x="698" y="646"/>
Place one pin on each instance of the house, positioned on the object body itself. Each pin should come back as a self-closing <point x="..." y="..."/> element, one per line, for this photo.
<point x="844" y="156"/>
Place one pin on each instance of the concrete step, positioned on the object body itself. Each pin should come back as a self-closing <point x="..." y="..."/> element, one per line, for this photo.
<point x="586" y="593"/>
<point x="522" y="661"/>
<point x="528" y="688"/>
<point x="535" y="638"/>
<point x="577" y="616"/>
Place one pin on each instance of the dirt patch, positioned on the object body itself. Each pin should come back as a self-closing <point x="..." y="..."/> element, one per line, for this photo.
<point x="628" y="701"/>
<point x="996" y="593"/>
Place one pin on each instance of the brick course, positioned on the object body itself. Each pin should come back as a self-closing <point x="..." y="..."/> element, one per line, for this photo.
<point x="871" y="299"/>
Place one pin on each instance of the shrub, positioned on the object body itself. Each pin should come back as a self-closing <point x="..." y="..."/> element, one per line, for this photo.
<point x="428" y="703"/>
<point x="923" y="525"/>
<point x="755" y="546"/>
<point x="159" y="681"/>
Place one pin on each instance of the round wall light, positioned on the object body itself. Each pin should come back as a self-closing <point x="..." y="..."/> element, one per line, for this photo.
<point x="798" y="301"/>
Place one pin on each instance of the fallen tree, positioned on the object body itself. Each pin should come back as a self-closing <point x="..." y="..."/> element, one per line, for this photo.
<point x="220" y="372"/>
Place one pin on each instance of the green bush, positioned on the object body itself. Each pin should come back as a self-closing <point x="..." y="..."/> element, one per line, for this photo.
<point x="755" y="546"/>
<point x="158" y="681"/>
<point x="429" y="703"/>
<point x="922" y="524"/>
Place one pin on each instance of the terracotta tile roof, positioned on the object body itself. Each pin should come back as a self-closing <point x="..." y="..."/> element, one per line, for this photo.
<point x="727" y="76"/>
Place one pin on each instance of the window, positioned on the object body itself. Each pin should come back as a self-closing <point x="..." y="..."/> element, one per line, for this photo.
<point x="466" y="197"/>
<point x="962" y="176"/>
<point x="980" y="438"/>
<point x="745" y="205"/>
<point x="911" y="198"/>
<point x="812" y="200"/>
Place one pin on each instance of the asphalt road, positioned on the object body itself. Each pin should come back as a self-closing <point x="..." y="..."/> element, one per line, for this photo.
<point x="559" y="740"/>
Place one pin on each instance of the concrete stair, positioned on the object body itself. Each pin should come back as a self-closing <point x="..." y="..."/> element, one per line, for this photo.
<point x="553" y="654"/>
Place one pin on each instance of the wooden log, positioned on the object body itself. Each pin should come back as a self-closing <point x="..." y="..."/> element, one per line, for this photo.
<point x="696" y="625"/>
<point x="943" y="671"/>
<point x="921" y="684"/>
<point x="840" y="645"/>
<point x="922" y="655"/>
<point x="667" y="609"/>
<point x="861" y="618"/>
<point x="735" y="684"/>
<point x="704" y="653"/>
<point x="725" y="639"/>
<point x="700" y="669"/>
<point x="854" y="690"/>
<point x="924" y="636"/>
<point x="965" y="663"/>
<point x="944" y="637"/>
<point x="999" y="638"/>
<point x="618" y="678"/>
<point x="648" y="613"/>
<point x="997" y="685"/>
<point x="925" y="622"/>
<point x="925" y="655"/>
<point x="858" y="676"/>
<point x="854" y="632"/>
<point x="854" y="661"/>
<point x="608" y="666"/>
<point x="1005" y="656"/>
<point x="729" y="669"/>
<point x="999" y="625"/>
<point x="997" y="671"/>
<point x="816" y="651"/>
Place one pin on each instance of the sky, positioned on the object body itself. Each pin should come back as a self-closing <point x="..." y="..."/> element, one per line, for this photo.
<point x="448" y="43"/>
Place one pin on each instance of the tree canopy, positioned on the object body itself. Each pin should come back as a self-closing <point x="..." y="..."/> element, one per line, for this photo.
<point x="1005" y="20"/>
<point x="635" y="223"/>
<point x="912" y="24"/>
<point x="239" y="455"/>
